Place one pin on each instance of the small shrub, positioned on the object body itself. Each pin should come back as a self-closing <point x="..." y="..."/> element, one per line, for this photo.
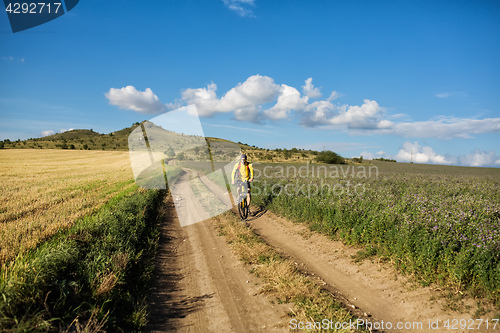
<point x="330" y="157"/>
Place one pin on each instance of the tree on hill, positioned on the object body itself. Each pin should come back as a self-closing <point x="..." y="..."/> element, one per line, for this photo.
<point x="287" y="154"/>
<point x="330" y="157"/>
<point x="170" y="152"/>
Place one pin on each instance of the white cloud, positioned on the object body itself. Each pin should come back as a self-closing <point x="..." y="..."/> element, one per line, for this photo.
<point x="368" y="116"/>
<point x="66" y="130"/>
<point x="337" y="146"/>
<point x="254" y="91"/>
<point x="47" y="133"/>
<point x="446" y="128"/>
<point x="11" y="58"/>
<point x="289" y="99"/>
<point x="479" y="158"/>
<point x="370" y="156"/>
<point x="412" y="151"/>
<point x="334" y="95"/>
<point x="205" y="99"/>
<point x="248" y="101"/>
<point x="367" y="155"/>
<point x="241" y="7"/>
<point x="317" y="113"/>
<point x="244" y="100"/>
<point x="443" y="95"/>
<point x="309" y="89"/>
<point x="129" y="98"/>
<point x="451" y="94"/>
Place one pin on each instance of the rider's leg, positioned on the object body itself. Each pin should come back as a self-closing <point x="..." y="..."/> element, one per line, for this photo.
<point x="248" y="197"/>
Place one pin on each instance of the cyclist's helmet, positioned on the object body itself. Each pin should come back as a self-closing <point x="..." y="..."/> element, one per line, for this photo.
<point x="243" y="156"/>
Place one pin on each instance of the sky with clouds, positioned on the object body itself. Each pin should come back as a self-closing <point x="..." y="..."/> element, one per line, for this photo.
<point x="396" y="79"/>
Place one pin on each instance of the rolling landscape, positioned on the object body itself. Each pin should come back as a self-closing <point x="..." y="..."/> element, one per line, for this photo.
<point x="83" y="248"/>
<point x="233" y="166"/>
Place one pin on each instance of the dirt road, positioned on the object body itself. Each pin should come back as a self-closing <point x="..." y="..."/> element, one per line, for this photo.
<point x="373" y="287"/>
<point x="202" y="287"/>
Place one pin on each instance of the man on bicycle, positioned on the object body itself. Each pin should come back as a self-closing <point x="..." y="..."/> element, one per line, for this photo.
<point x="242" y="175"/>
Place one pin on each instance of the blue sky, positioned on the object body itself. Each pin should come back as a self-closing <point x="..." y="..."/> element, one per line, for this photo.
<point x="371" y="78"/>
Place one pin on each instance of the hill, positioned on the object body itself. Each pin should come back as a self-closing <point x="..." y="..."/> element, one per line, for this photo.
<point x="80" y="139"/>
<point x="85" y="139"/>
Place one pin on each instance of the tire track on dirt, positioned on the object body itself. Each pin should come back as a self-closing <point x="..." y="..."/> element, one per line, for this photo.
<point x="374" y="288"/>
<point x="200" y="285"/>
<point x="370" y="291"/>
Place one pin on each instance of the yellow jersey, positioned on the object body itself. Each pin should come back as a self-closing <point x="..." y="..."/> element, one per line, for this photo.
<point x="245" y="170"/>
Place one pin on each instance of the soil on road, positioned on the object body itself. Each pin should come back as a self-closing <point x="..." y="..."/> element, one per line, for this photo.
<point x="201" y="286"/>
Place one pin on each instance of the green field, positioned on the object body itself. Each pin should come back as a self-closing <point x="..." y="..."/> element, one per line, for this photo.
<point x="84" y="235"/>
<point x="78" y="241"/>
<point x="437" y="223"/>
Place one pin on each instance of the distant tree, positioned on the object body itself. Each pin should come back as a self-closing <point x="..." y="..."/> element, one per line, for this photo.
<point x="170" y="152"/>
<point x="358" y="159"/>
<point x="64" y="145"/>
<point x="71" y="146"/>
<point x="330" y="157"/>
<point x="287" y="154"/>
<point x="181" y="156"/>
<point x="85" y="146"/>
<point x="1" y="144"/>
<point x="384" y="159"/>
<point x="294" y="150"/>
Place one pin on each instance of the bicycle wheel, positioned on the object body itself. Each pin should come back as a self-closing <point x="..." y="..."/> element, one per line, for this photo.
<point x="243" y="209"/>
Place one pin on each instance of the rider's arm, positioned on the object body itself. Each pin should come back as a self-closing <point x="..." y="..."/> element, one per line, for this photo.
<point x="250" y="167"/>
<point x="234" y="172"/>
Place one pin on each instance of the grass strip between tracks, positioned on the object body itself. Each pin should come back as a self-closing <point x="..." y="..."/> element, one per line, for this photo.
<point x="281" y="279"/>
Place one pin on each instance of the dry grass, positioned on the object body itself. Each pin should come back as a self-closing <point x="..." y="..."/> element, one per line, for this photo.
<point x="44" y="191"/>
<point x="281" y="279"/>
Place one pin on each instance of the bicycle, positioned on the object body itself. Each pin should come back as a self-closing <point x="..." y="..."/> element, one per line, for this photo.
<point x="243" y="208"/>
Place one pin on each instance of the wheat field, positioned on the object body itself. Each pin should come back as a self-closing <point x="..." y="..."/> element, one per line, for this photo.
<point x="45" y="191"/>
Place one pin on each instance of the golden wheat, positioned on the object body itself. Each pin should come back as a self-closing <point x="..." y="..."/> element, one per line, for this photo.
<point x="44" y="191"/>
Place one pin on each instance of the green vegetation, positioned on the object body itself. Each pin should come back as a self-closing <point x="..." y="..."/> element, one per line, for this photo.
<point x="169" y="143"/>
<point x="437" y="223"/>
<point x="384" y="159"/>
<point x="92" y="277"/>
<point x="330" y="157"/>
<point x="80" y="139"/>
<point x="281" y="279"/>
